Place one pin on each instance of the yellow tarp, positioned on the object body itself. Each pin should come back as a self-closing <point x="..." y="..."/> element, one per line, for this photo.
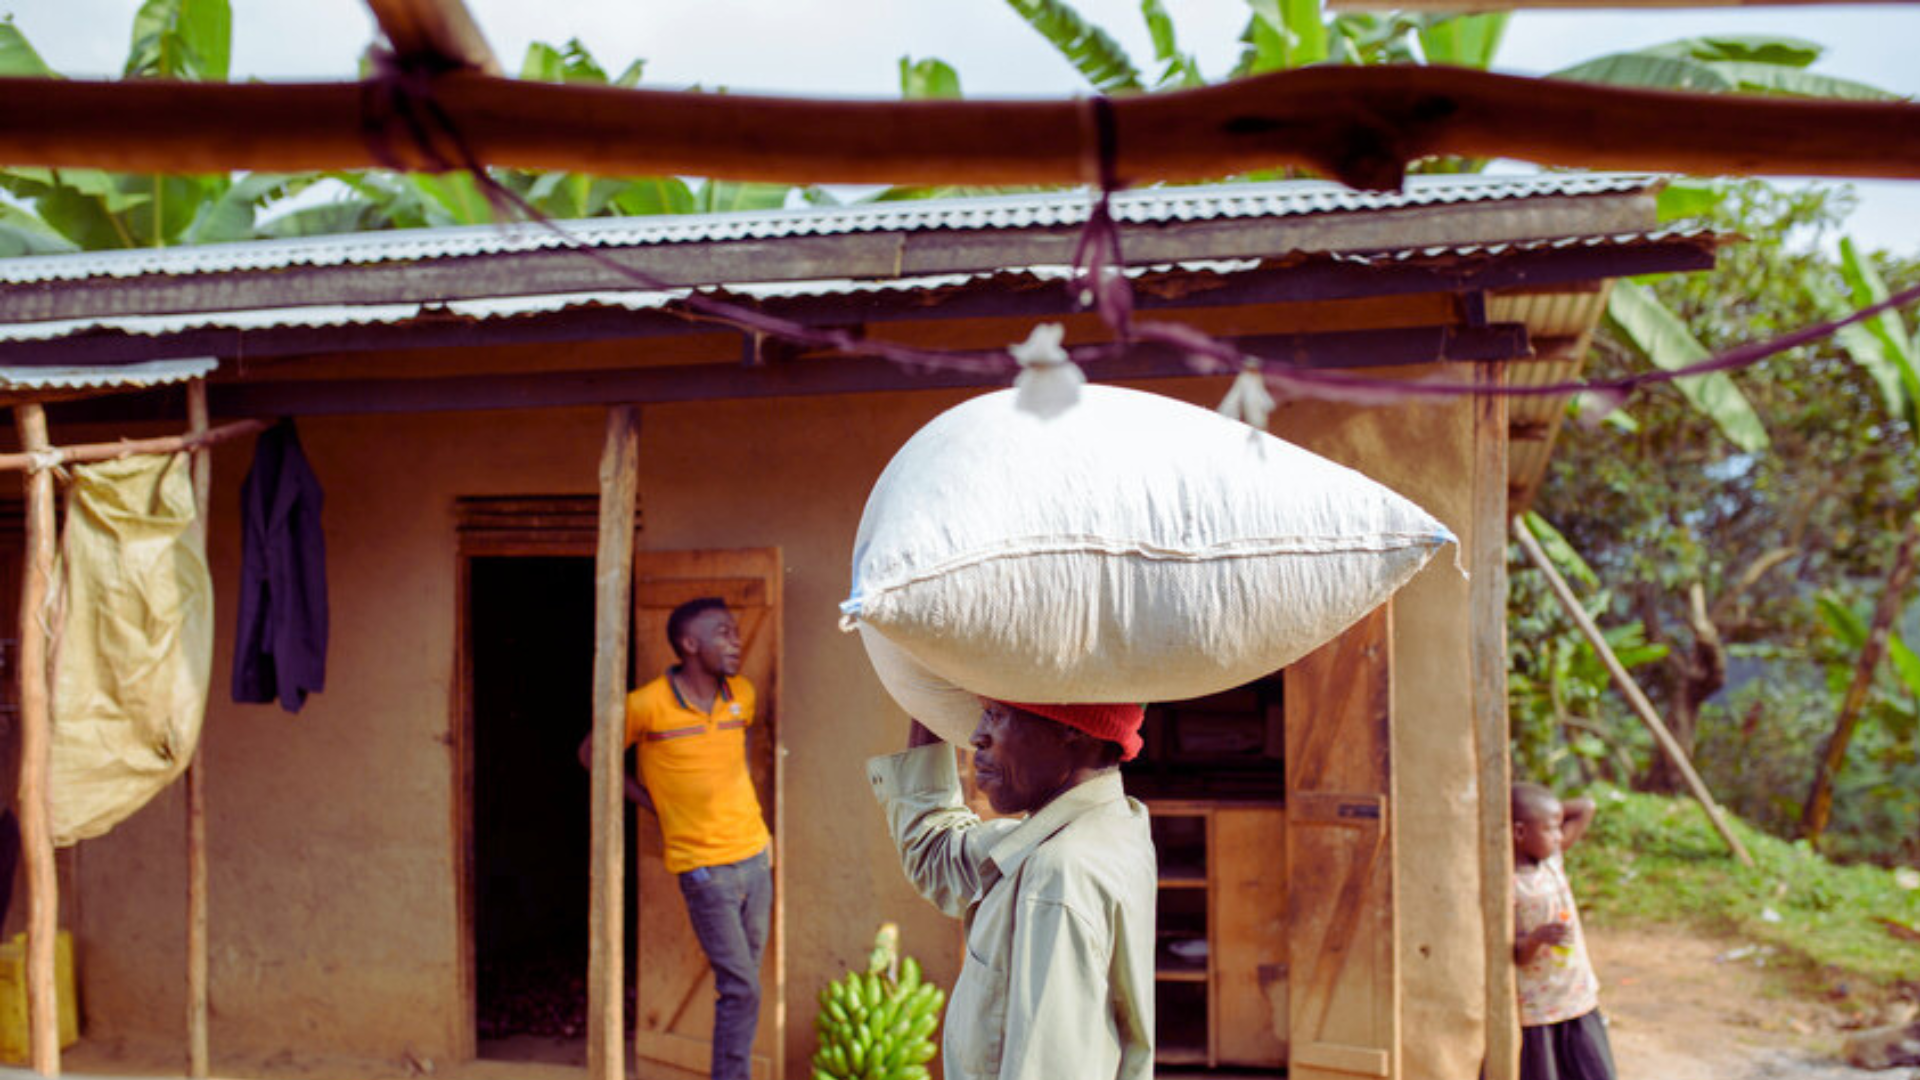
<point x="135" y="651"/>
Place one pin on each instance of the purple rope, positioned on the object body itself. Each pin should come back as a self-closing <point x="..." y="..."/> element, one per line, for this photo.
<point x="402" y="90"/>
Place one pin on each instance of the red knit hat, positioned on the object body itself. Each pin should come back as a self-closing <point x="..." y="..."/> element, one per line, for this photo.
<point x="1114" y="723"/>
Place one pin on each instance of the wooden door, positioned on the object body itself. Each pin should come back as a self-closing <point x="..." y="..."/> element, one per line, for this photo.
<point x="1248" y="868"/>
<point x="674" y="986"/>
<point x="1344" y="988"/>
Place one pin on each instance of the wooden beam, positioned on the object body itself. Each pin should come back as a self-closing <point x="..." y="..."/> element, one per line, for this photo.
<point x="1631" y="690"/>
<point x="613" y="597"/>
<point x="198" y="1058"/>
<point x="1487" y="616"/>
<point x="810" y="376"/>
<point x="441" y="33"/>
<point x="36" y="746"/>
<point x="165" y="444"/>
<point x="1360" y="125"/>
<point x="895" y="254"/>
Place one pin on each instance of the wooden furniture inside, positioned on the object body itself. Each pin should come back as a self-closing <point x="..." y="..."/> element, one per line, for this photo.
<point x="1211" y="775"/>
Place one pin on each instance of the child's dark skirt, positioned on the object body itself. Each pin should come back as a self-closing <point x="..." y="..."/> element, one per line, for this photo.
<point x="1575" y="1049"/>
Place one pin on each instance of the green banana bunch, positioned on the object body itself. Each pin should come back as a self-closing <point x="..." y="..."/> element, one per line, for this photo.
<point x="878" y="1024"/>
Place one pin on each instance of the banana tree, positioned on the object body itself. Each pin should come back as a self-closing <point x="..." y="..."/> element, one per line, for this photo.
<point x="1283" y="34"/>
<point x="1882" y="347"/>
<point x="55" y="210"/>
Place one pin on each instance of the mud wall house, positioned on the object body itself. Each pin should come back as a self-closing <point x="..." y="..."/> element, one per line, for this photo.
<point x="383" y="860"/>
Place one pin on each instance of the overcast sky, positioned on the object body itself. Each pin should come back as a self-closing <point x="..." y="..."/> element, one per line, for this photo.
<point x="852" y="47"/>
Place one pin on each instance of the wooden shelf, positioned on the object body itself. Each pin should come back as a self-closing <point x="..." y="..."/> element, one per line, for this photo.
<point x="1213" y="1011"/>
<point x="1180" y="1055"/>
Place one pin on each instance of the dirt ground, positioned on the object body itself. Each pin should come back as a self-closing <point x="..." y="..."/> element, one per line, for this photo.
<point x="1682" y="1007"/>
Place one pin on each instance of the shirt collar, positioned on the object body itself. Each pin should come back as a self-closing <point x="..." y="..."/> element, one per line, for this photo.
<point x="725" y="694"/>
<point x="1012" y="849"/>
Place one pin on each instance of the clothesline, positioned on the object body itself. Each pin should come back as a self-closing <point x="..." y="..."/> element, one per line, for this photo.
<point x="55" y="456"/>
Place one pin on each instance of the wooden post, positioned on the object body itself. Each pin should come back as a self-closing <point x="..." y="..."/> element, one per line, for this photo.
<point x="1634" y="695"/>
<point x="36" y="745"/>
<point x="197" y="1054"/>
<point x="1487" y="607"/>
<point x="613" y="596"/>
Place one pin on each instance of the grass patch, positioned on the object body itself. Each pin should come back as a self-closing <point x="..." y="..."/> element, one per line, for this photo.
<point x="1652" y="859"/>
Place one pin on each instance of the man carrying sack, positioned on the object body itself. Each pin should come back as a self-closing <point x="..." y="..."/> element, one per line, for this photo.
<point x="1059" y="907"/>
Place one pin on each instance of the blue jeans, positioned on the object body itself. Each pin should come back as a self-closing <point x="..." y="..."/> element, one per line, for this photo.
<point x="729" y="906"/>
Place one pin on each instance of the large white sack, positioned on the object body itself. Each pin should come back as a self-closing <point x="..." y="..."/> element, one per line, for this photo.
<point x="1060" y="542"/>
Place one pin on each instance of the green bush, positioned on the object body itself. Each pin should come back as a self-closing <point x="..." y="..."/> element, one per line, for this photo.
<point x="1652" y="859"/>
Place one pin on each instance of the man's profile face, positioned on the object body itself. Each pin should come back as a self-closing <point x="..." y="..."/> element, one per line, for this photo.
<point x="1019" y="761"/>
<point x="712" y="638"/>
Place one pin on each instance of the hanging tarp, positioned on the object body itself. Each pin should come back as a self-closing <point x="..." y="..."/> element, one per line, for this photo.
<point x="134" y="652"/>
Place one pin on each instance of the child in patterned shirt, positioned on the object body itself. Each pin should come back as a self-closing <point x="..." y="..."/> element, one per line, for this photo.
<point x="1562" y="1034"/>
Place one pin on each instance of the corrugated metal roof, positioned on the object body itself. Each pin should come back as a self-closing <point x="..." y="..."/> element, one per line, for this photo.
<point x="1553" y="243"/>
<point x="1049" y="209"/>
<point x="118" y="376"/>
<point x="509" y="307"/>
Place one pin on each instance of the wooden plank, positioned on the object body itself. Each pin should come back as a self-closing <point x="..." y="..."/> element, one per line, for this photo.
<point x="441" y="33"/>
<point x="885" y="256"/>
<point x="1344" y="987"/>
<point x="811" y="376"/>
<point x="1343" y="1060"/>
<point x="460" y="743"/>
<point x="613" y="574"/>
<point x="36" y="745"/>
<point x="1487" y="617"/>
<point x="1359" y="125"/>
<point x="1213" y="941"/>
<point x="198" y="1062"/>
<point x="1250" y="935"/>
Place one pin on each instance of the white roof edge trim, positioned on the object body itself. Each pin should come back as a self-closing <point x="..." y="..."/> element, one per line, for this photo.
<point x="1025" y="211"/>
<point x="142" y="374"/>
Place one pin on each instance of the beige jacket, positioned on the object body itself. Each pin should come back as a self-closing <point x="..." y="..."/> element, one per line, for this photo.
<point x="1059" y="910"/>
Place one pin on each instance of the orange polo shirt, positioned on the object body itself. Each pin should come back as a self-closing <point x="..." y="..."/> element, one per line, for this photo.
<point x="695" y="766"/>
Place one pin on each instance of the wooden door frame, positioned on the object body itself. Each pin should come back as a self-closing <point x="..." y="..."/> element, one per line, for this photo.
<point x="563" y="526"/>
<point x="670" y="1046"/>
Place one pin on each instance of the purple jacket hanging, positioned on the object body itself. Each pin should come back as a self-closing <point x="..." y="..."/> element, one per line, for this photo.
<point x="280" y="648"/>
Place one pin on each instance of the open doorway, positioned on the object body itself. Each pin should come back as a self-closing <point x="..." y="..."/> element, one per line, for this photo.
<point x="530" y="625"/>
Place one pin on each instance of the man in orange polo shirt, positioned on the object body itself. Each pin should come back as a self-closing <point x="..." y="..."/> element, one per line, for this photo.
<point x="691" y="724"/>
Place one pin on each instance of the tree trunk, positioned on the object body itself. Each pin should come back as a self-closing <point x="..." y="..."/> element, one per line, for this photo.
<point x="1818" y="811"/>
<point x="1696" y="675"/>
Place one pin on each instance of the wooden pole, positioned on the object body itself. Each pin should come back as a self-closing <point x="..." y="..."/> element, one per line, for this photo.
<point x="36" y="745"/>
<point x="1360" y="125"/>
<point x="1487" y="605"/>
<point x="197" y="1050"/>
<point x="1634" y="695"/>
<point x="441" y="29"/>
<point x="613" y="596"/>
<point x="164" y="444"/>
